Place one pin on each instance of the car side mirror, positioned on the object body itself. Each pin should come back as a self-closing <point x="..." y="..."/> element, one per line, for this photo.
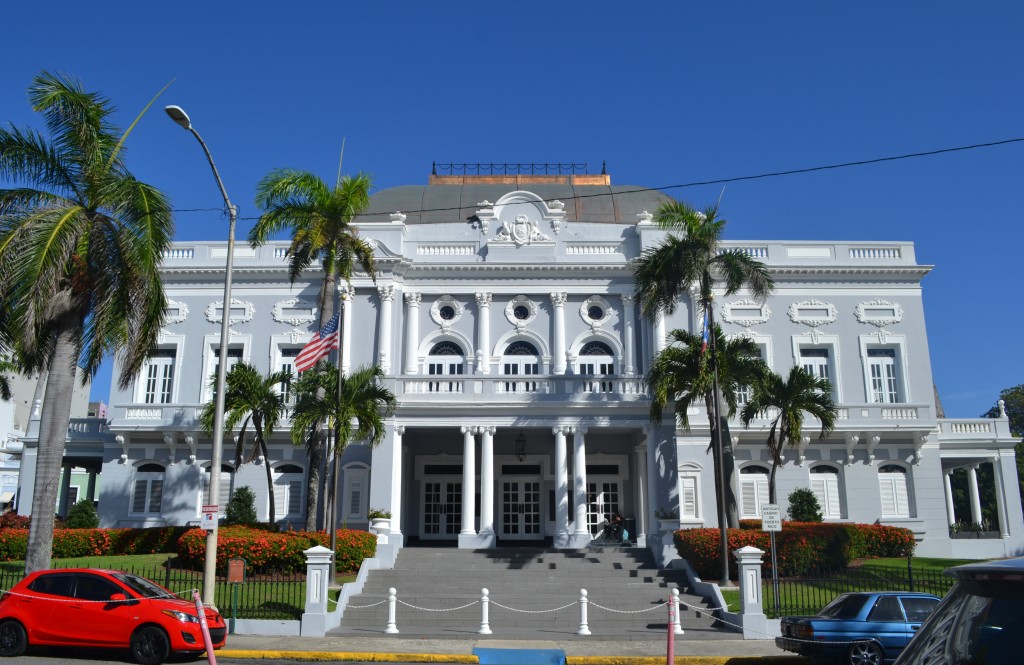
<point x="121" y="598"/>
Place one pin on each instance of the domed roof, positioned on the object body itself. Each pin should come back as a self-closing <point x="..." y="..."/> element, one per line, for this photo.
<point x="452" y="199"/>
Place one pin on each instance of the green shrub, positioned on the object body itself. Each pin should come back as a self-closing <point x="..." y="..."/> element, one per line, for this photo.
<point x="804" y="506"/>
<point x="82" y="515"/>
<point x="801" y="546"/>
<point x="241" y="507"/>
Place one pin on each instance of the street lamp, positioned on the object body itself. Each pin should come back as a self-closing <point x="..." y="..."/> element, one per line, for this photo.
<point x="179" y="116"/>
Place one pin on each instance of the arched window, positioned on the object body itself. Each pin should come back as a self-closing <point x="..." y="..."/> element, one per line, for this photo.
<point x="894" y="488"/>
<point x="753" y="490"/>
<point x="825" y="485"/>
<point x="288" y="483"/>
<point x="445" y="359"/>
<point x="596" y="359"/>
<point x="521" y="359"/>
<point x="148" y="489"/>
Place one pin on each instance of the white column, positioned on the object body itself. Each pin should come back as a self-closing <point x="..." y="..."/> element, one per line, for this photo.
<point x="640" y="464"/>
<point x="483" y="333"/>
<point x="579" y="470"/>
<point x="396" y="480"/>
<point x="659" y="331"/>
<point x="561" y="488"/>
<point x="628" y="316"/>
<point x="997" y="477"/>
<point x="558" y="343"/>
<point x="652" y="469"/>
<point x="468" y="481"/>
<point x="346" y="294"/>
<point x="65" y="491"/>
<point x="412" y="331"/>
<point x="487" y="480"/>
<point x="950" y="509"/>
<point x="972" y="477"/>
<point x="387" y="296"/>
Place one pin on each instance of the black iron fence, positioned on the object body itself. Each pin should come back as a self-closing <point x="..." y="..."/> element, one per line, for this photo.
<point x="810" y="592"/>
<point x="263" y="596"/>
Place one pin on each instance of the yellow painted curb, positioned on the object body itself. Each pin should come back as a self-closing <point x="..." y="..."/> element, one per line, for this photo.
<point x="368" y="657"/>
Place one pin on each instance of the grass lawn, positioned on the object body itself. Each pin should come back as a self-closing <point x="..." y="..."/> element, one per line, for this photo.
<point x="795" y="592"/>
<point x="262" y="597"/>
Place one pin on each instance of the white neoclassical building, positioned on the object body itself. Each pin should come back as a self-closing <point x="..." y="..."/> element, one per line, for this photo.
<point x="504" y="320"/>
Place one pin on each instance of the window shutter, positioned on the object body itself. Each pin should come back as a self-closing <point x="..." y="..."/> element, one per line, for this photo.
<point x="902" y="500"/>
<point x="689" y="498"/>
<point x="818" y="487"/>
<point x="139" y="500"/>
<point x="888" y="491"/>
<point x="832" y="505"/>
<point x="748" y="496"/>
<point x="295" y="498"/>
<point x="156" y="491"/>
<point x="280" y="499"/>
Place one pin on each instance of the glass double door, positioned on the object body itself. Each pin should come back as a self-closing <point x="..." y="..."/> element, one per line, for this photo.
<point x="442" y="509"/>
<point x="520" y="503"/>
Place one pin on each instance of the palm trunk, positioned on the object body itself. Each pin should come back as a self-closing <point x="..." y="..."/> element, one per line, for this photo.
<point x="270" y="480"/>
<point x="53" y="432"/>
<point x="729" y="472"/>
<point x="315" y="450"/>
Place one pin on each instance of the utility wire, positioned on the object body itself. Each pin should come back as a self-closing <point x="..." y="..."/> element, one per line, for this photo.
<point x="722" y="181"/>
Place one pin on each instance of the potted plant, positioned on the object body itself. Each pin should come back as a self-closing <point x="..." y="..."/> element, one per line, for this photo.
<point x="380" y="520"/>
<point x="669" y="519"/>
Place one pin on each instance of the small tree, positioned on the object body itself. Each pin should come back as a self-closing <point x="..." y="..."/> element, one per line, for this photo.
<point x="242" y="507"/>
<point x="82" y="516"/>
<point x="804" y="506"/>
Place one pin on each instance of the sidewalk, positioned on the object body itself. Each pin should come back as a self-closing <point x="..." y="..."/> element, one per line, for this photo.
<point x="578" y="651"/>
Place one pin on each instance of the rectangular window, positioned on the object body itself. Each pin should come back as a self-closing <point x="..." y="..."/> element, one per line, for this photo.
<point x="158" y="373"/>
<point x="815" y="362"/>
<point x="148" y="495"/>
<point x="688" y="500"/>
<point x="884" y="387"/>
<point x="753" y="494"/>
<point x="288" y="365"/>
<point x="234" y="357"/>
<point x="895" y="500"/>
<point x="743" y="392"/>
<point x="826" y="489"/>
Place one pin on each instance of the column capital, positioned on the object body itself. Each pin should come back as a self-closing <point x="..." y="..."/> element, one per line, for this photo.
<point x="558" y="299"/>
<point x="399" y="430"/>
<point x="387" y="293"/>
<point x="413" y="299"/>
<point x="490" y="429"/>
<point x="467" y="430"/>
<point x="483" y="299"/>
<point x="628" y="298"/>
<point x="559" y="429"/>
<point x="346" y="292"/>
<point x="578" y="429"/>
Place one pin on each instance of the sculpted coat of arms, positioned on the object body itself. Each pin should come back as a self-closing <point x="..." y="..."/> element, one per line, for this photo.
<point x="521" y="231"/>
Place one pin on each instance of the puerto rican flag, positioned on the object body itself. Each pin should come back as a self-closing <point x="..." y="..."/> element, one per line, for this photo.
<point x="324" y="341"/>
<point x="704" y="341"/>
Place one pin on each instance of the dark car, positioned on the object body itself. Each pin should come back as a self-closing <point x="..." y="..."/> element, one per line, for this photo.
<point x="90" y="607"/>
<point x="980" y="621"/>
<point x="861" y="628"/>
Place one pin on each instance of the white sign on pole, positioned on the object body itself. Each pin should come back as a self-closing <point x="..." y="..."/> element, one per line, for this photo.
<point x="771" y="517"/>
<point x="209" y="521"/>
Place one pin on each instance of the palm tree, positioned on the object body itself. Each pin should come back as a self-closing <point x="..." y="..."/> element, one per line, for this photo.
<point x="250" y="397"/>
<point x="786" y="401"/>
<point x="691" y="255"/>
<point x="681" y="374"/>
<point x="6" y="366"/>
<point x="361" y="401"/>
<point x="320" y="221"/>
<point x="80" y="243"/>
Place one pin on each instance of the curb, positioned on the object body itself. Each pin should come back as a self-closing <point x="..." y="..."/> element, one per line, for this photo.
<point x="375" y="657"/>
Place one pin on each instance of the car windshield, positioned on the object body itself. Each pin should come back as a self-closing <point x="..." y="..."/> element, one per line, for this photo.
<point x="142" y="586"/>
<point x="844" y="607"/>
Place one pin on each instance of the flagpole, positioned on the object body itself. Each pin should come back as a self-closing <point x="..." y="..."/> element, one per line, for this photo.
<point x="337" y="443"/>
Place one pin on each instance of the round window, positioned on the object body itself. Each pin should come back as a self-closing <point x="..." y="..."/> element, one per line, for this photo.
<point x="595" y="312"/>
<point x="447" y="312"/>
<point x="521" y="312"/>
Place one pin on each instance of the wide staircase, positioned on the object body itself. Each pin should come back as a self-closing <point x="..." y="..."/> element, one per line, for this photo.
<point x="533" y="593"/>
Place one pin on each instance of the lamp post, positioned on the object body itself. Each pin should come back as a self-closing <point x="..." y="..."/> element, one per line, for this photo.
<point x="210" y="564"/>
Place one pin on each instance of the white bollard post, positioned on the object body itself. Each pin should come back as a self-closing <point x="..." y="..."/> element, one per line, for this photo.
<point x="485" y="601"/>
<point x="584" y="630"/>
<point x="392" y="600"/>
<point x="678" y="630"/>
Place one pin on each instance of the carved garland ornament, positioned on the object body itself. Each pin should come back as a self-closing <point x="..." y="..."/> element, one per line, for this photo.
<point x="879" y="312"/>
<point x="812" y="313"/>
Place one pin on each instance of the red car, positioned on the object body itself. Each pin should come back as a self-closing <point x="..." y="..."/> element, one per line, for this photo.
<point x="89" y="607"/>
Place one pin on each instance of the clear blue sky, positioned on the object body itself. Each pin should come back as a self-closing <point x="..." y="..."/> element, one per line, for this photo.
<point x="666" y="94"/>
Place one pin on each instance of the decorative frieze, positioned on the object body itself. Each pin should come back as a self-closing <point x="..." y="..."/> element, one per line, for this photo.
<point x="812" y="313"/>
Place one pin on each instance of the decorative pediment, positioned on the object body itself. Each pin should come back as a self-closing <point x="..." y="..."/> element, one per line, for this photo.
<point x="520" y="215"/>
<point x="746" y="312"/>
<point x="294" y="312"/>
<point x="812" y="313"/>
<point x="879" y="312"/>
<point x="241" y="311"/>
<point x="175" y="312"/>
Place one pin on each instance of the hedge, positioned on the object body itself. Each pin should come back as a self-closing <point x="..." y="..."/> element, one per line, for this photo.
<point x="263" y="550"/>
<point x="801" y="546"/>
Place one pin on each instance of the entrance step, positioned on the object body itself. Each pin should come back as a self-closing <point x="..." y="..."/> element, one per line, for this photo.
<point x="532" y="593"/>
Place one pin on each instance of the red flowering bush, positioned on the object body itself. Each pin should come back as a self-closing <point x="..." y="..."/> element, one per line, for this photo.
<point x="274" y="551"/>
<point x="14" y="521"/>
<point x="801" y="546"/>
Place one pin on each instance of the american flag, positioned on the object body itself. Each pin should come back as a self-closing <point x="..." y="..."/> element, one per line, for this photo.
<point x="324" y="341"/>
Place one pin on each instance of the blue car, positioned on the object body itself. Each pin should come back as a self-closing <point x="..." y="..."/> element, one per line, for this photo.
<point x="861" y="628"/>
